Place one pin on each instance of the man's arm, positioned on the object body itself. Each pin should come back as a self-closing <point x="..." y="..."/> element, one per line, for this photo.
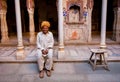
<point x="38" y="42"/>
<point x="51" y="44"/>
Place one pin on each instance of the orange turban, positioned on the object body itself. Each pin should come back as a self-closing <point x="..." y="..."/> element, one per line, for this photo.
<point x="45" y="23"/>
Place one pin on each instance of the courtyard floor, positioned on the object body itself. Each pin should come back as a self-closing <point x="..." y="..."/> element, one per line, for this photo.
<point x="69" y="69"/>
<point x="63" y="72"/>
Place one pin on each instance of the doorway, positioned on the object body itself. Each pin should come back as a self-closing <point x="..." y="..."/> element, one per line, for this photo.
<point x="46" y="10"/>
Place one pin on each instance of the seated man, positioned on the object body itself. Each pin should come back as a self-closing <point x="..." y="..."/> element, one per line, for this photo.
<point x="45" y="44"/>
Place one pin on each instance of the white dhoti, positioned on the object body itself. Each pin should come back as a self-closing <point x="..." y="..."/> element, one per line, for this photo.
<point x="48" y="60"/>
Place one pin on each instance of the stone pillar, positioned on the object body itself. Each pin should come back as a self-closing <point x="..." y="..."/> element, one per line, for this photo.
<point x="115" y="21"/>
<point x="89" y="25"/>
<point x="90" y="4"/>
<point x="60" y="30"/>
<point x="116" y="28"/>
<point x="4" y="28"/>
<point x="20" y="47"/>
<point x="30" y="8"/>
<point x="103" y="24"/>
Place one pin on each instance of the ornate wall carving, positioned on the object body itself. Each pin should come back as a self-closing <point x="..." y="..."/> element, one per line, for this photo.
<point x="75" y="10"/>
<point x="77" y="20"/>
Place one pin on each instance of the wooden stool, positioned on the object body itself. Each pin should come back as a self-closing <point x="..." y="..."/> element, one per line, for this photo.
<point x="102" y="62"/>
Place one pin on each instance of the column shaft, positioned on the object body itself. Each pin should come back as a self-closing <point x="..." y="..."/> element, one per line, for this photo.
<point x="20" y="50"/>
<point x="31" y="28"/>
<point x="60" y="24"/>
<point x="4" y="28"/>
<point x="103" y="24"/>
<point x="61" y="30"/>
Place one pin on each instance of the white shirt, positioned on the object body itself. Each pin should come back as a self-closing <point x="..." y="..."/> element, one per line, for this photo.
<point x="45" y="41"/>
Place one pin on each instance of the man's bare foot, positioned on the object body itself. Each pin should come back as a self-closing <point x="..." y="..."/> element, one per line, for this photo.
<point x="41" y="74"/>
<point x="48" y="72"/>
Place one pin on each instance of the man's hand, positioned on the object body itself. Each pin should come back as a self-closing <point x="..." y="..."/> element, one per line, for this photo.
<point x="44" y="52"/>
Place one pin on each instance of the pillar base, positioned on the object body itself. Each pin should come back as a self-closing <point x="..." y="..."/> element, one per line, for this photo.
<point x="5" y="40"/>
<point x="103" y="46"/>
<point x="32" y="40"/>
<point x="61" y="54"/>
<point x="20" y="54"/>
<point x="89" y="40"/>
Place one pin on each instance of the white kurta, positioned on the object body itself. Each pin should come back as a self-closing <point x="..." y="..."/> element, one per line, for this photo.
<point x="44" y="41"/>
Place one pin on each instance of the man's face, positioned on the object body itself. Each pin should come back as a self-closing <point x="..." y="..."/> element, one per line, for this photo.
<point x="45" y="29"/>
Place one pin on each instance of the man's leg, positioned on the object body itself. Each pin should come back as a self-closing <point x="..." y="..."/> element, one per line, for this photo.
<point x="49" y="62"/>
<point x="40" y="61"/>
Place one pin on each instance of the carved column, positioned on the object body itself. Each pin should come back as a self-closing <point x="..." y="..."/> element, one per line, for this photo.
<point x="116" y="28"/>
<point x="4" y="28"/>
<point x="90" y="4"/>
<point x="89" y="25"/>
<point x="30" y="8"/>
<point x="20" y="47"/>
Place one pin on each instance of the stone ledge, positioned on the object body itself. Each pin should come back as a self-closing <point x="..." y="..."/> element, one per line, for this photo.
<point x="34" y="60"/>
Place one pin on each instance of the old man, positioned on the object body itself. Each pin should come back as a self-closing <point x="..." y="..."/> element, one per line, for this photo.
<point x="45" y="44"/>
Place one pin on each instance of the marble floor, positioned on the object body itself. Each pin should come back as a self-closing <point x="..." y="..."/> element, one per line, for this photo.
<point x="72" y="53"/>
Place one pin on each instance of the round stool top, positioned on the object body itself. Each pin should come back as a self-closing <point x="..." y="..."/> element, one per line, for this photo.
<point x="98" y="50"/>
